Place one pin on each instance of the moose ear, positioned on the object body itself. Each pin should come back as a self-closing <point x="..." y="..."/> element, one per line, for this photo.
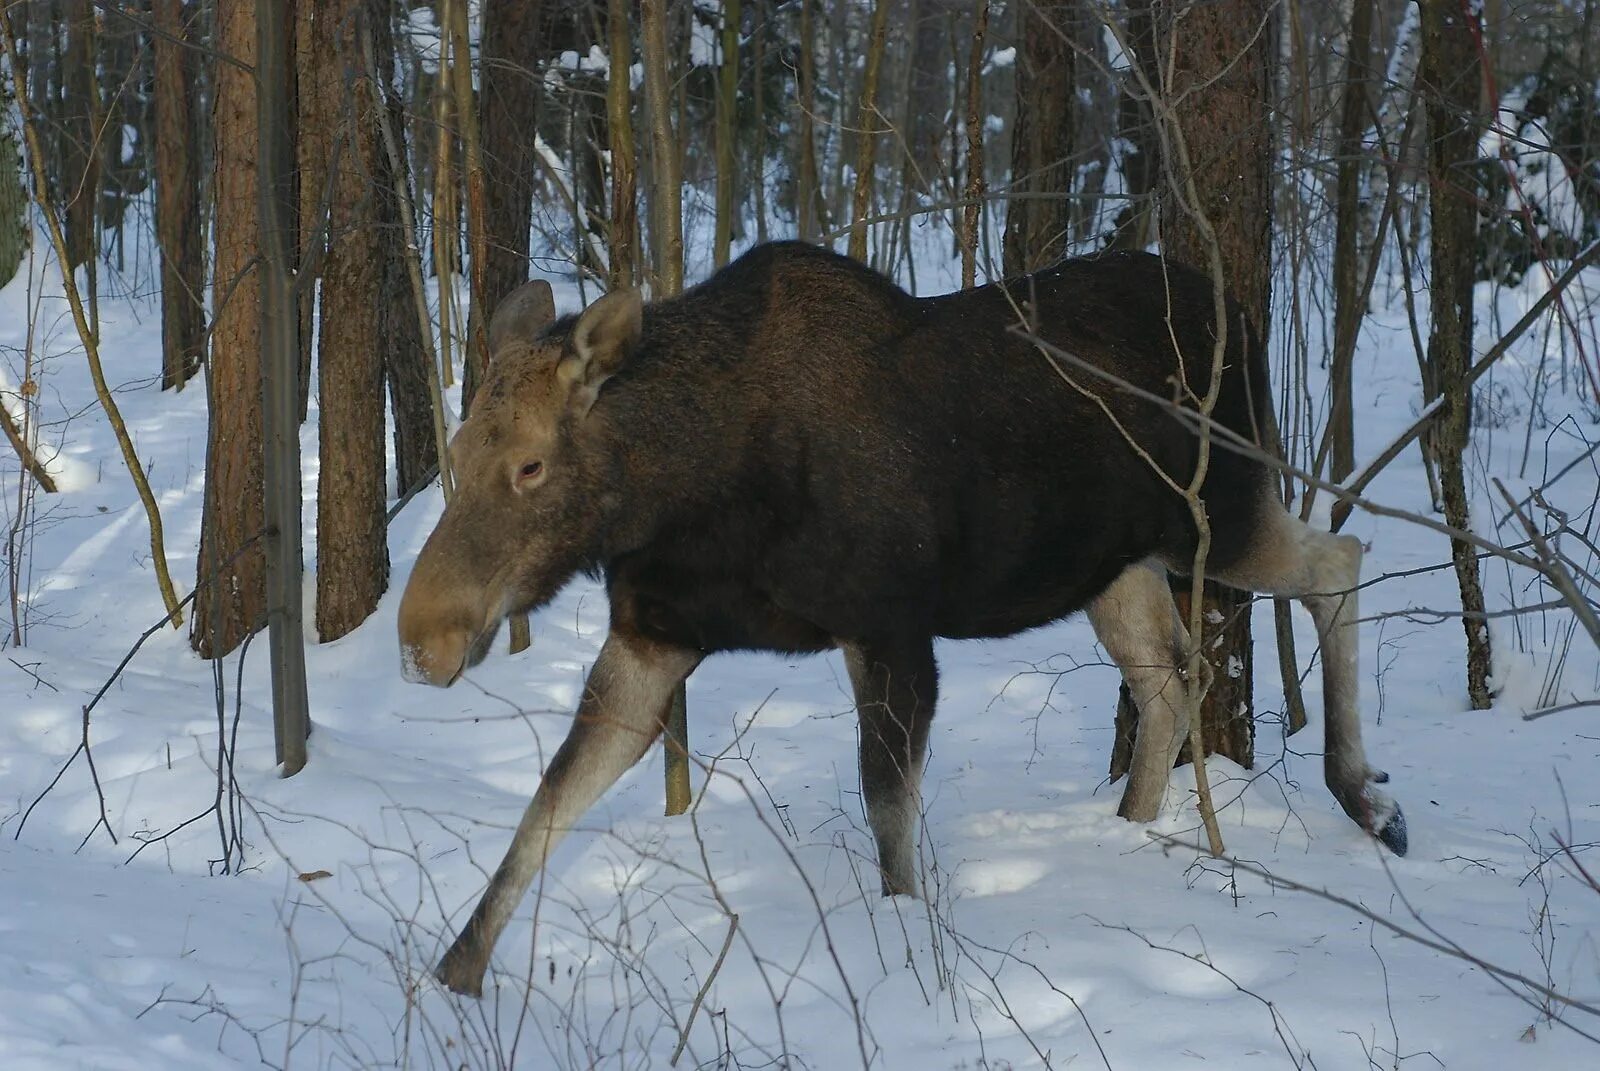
<point x="522" y="314"/>
<point x="605" y="335"/>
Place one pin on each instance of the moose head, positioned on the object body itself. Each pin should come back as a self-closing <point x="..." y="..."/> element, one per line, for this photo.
<point x="532" y="464"/>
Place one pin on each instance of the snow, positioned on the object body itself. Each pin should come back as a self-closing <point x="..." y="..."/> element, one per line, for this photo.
<point x="1055" y="934"/>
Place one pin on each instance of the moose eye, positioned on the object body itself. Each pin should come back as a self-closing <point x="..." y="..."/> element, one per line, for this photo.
<point x="531" y="470"/>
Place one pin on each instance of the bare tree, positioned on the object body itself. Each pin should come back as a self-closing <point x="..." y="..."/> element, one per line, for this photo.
<point x="406" y="365"/>
<point x="972" y="213"/>
<point x="727" y="112"/>
<point x="13" y="197"/>
<point x="867" y="126"/>
<point x="80" y="170"/>
<point x="1220" y="96"/>
<point x="1141" y="164"/>
<point x="1216" y="91"/>
<point x="1042" y="136"/>
<point x="667" y="234"/>
<point x="513" y="37"/>
<point x="352" y="550"/>
<point x="624" y="243"/>
<point x="230" y="596"/>
<point x="1348" y="293"/>
<point x="810" y="201"/>
<point x="1451" y="75"/>
<point x="177" y="165"/>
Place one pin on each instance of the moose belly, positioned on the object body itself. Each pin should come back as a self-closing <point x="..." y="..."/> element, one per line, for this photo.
<point x="708" y="613"/>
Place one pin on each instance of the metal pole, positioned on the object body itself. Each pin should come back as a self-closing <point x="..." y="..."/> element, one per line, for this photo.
<point x="280" y="395"/>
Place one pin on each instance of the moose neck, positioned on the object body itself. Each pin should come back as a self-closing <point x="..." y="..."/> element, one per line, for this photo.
<point x="670" y="439"/>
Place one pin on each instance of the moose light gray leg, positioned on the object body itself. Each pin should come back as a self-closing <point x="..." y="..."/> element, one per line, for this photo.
<point x="617" y="721"/>
<point x="1289" y="557"/>
<point x="1137" y="623"/>
<point x="896" y="686"/>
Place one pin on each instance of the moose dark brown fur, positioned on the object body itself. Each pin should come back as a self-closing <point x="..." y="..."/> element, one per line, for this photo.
<point x="799" y="456"/>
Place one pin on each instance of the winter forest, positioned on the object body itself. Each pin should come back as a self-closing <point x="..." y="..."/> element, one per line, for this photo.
<point x="263" y="270"/>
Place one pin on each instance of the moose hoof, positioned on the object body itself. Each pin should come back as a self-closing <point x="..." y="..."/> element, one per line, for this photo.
<point x="461" y="971"/>
<point x="1373" y="811"/>
<point x="1392" y="833"/>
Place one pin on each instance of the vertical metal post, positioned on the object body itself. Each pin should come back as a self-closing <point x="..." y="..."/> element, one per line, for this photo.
<point x="280" y="394"/>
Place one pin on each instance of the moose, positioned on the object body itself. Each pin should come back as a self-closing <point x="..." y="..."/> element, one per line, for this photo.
<point x="798" y="456"/>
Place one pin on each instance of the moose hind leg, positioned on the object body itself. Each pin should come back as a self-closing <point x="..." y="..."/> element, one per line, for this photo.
<point x="896" y="686"/>
<point x="617" y="720"/>
<point x="1289" y="557"/>
<point x="1137" y="623"/>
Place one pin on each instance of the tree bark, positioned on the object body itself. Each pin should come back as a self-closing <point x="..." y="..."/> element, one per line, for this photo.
<point x="1222" y="82"/>
<point x="1219" y="96"/>
<point x="972" y="212"/>
<point x="178" y="230"/>
<point x="230" y="598"/>
<point x="668" y="231"/>
<point x="811" y="203"/>
<point x="624" y="237"/>
<point x="406" y="366"/>
<point x="80" y="171"/>
<point x="667" y="235"/>
<point x="352" y="550"/>
<point x="513" y="36"/>
<point x="1041" y="137"/>
<point x="1349" y="301"/>
<point x="1451" y="77"/>
<point x="867" y="127"/>
<point x="13" y="198"/>
<point x="1141" y="164"/>
<point x="727" y="111"/>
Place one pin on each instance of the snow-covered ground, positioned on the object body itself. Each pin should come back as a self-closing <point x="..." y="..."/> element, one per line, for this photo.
<point x="1058" y="934"/>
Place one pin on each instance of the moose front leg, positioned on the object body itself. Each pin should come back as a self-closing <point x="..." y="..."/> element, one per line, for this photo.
<point x="617" y="721"/>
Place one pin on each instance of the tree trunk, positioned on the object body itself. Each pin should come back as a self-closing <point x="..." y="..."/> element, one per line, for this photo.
<point x="867" y="127"/>
<point x="668" y="231"/>
<point x="177" y="178"/>
<point x="230" y="599"/>
<point x="727" y="111"/>
<point x="1141" y="163"/>
<point x="1349" y="301"/>
<point x="667" y="234"/>
<point x="758" y="151"/>
<point x="1222" y="87"/>
<point x="928" y="58"/>
<point x="1041" y="137"/>
<point x="972" y="212"/>
<point x="624" y="237"/>
<point x="1451" y="76"/>
<point x="13" y="198"/>
<point x="80" y="172"/>
<point x="1219" y="94"/>
<point x="352" y="550"/>
<point x="314" y="142"/>
<point x="513" y="36"/>
<point x="405" y="359"/>
<point x="810" y="202"/>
